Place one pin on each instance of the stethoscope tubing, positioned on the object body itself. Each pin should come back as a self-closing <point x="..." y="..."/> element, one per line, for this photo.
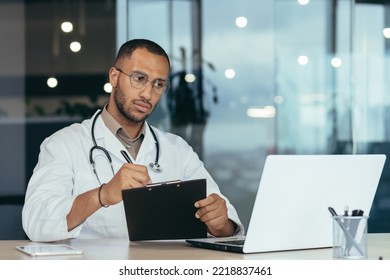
<point x="154" y="166"/>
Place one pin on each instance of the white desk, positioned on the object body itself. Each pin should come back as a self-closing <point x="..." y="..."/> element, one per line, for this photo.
<point x="114" y="249"/>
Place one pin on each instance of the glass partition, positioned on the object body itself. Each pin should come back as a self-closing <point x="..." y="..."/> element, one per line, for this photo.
<point x="331" y="86"/>
<point x="313" y="76"/>
<point x="371" y="99"/>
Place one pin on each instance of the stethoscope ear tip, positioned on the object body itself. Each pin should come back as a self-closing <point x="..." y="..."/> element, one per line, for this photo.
<point x="155" y="167"/>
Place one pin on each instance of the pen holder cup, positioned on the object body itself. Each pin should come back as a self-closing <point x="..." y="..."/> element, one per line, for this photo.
<point x="350" y="237"/>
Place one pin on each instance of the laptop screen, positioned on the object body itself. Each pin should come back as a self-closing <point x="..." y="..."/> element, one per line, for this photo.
<point x="295" y="191"/>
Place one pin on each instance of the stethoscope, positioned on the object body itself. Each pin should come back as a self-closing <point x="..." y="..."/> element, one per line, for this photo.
<point x="155" y="166"/>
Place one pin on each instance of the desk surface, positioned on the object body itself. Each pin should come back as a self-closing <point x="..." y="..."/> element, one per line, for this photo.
<point x="115" y="249"/>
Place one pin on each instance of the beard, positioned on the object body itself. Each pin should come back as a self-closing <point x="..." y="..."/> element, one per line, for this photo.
<point x="124" y="110"/>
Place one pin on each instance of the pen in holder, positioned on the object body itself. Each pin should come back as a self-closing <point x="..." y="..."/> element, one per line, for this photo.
<point x="350" y="237"/>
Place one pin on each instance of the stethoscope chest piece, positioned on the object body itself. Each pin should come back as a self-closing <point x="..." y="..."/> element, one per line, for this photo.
<point x="155" y="167"/>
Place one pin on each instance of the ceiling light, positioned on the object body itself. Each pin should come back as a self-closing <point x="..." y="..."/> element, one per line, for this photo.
<point x="241" y="22"/>
<point x="67" y="27"/>
<point x="265" y="112"/>
<point x="230" y="73"/>
<point x="52" y="82"/>
<point x="107" y="87"/>
<point x="386" y="32"/>
<point x="336" y="62"/>
<point x="303" y="60"/>
<point x="190" y="78"/>
<point x="75" y="46"/>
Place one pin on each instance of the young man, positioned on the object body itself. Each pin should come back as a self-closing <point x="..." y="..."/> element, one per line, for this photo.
<point x="75" y="190"/>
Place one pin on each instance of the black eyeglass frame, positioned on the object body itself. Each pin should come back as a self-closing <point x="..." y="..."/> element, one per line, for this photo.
<point x="144" y="84"/>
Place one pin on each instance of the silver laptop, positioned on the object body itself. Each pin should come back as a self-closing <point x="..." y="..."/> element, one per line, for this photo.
<point x="291" y="207"/>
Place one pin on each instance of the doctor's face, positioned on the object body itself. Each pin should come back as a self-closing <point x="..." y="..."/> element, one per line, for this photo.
<point x="138" y="83"/>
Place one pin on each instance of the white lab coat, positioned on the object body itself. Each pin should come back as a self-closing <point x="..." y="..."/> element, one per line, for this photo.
<point x="64" y="171"/>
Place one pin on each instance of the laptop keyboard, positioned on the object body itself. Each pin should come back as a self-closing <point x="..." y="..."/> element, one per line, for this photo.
<point x="233" y="242"/>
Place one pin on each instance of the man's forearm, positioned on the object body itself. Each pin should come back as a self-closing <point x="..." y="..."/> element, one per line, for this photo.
<point x="83" y="206"/>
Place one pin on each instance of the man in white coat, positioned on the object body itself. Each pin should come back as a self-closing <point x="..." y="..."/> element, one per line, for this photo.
<point x="75" y="191"/>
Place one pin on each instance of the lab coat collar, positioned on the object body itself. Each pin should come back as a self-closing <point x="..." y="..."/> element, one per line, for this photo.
<point x="106" y="139"/>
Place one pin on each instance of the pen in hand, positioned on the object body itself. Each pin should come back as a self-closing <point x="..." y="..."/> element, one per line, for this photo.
<point x="126" y="156"/>
<point x="128" y="159"/>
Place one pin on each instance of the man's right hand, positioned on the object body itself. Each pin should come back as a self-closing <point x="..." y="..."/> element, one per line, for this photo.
<point x="129" y="176"/>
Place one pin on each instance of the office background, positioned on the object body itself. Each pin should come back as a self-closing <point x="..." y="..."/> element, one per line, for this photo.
<point x="255" y="77"/>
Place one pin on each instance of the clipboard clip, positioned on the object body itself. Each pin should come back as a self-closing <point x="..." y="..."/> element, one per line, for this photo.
<point x="164" y="183"/>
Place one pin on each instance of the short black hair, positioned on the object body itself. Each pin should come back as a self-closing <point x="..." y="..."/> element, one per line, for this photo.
<point x="127" y="49"/>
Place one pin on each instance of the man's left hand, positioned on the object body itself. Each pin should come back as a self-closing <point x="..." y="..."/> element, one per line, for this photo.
<point x="213" y="212"/>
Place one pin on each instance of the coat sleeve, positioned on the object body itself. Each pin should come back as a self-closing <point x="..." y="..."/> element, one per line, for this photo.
<point x="49" y="194"/>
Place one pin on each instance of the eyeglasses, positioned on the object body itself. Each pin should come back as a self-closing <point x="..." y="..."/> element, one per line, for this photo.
<point x="139" y="80"/>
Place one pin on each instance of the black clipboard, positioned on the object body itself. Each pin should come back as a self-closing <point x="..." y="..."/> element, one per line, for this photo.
<point x="164" y="211"/>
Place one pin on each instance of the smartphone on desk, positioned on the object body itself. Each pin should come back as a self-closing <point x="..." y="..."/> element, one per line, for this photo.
<point x="49" y="250"/>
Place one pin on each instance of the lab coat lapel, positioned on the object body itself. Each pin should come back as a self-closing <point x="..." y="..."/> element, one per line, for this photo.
<point x="148" y="148"/>
<point x="106" y="139"/>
